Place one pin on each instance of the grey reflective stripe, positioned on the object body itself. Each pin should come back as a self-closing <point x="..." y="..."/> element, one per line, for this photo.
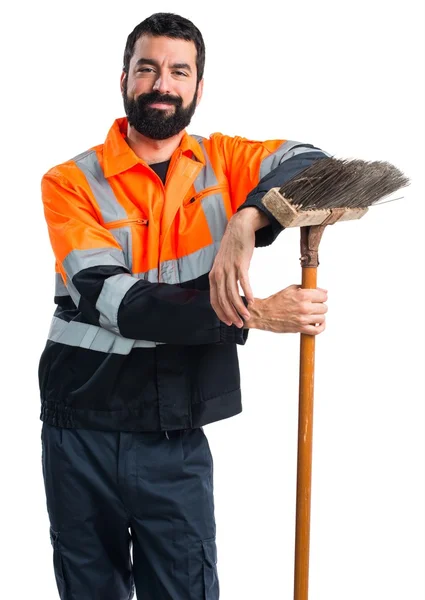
<point x="123" y="236"/>
<point x="212" y="205"/>
<point x="83" y="259"/>
<point x="191" y="266"/>
<point x="151" y="275"/>
<point x="206" y="177"/>
<point x="62" y="290"/>
<point x="113" y="291"/>
<point x="109" y="206"/>
<point x="301" y="150"/>
<point x="198" y="263"/>
<point x="169" y="272"/>
<point x="94" y="257"/>
<point x="215" y="213"/>
<point x="60" y="287"/>
<point x="287" y="150"/>
<point x="73" y="292"/>
<point x="91" y="337"/>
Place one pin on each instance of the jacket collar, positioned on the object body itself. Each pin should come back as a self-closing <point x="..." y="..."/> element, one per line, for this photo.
<point x="118" y="156"/>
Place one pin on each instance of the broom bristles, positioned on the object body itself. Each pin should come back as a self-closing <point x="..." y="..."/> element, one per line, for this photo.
<point x="342" y="183"/>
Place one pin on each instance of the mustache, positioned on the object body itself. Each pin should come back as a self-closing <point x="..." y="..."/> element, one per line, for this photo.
<point x="155" y="97"/>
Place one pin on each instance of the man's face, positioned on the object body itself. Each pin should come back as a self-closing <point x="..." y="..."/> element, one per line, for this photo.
<point x="160" y="91"/>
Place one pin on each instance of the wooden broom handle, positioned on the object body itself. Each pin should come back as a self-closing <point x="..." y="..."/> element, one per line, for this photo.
<point x="305" y="445"/>
<point x="310" y="239"/>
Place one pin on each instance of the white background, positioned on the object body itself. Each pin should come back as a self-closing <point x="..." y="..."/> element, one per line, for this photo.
<point x="349" y="78"/>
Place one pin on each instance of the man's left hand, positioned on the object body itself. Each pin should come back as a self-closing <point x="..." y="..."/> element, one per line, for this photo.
<point x="231" y="266"/>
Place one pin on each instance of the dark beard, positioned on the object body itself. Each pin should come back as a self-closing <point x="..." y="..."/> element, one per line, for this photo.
<point x="154" y="123"/>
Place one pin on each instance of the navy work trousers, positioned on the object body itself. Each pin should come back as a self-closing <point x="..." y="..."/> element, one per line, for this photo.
<point x="131" y="512"/>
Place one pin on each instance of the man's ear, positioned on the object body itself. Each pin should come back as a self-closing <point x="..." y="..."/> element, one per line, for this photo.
<point x="200" y="91"/>
<point x="123" y="76"/>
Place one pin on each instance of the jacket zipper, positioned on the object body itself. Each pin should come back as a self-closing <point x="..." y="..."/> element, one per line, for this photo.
<point x="116" y="224"/>
<point x="205" y="192"/>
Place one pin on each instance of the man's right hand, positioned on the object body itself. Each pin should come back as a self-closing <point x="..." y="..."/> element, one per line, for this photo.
<point x="292" y="310"/>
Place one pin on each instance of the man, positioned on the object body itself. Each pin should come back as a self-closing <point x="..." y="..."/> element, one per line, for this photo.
<point x="141" y="353"/>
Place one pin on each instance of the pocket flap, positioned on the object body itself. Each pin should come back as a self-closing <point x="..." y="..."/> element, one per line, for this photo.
<point x="210" y="551"/>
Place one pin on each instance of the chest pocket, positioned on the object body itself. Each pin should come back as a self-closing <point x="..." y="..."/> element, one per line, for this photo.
<point x="211" y="202"/>
<point x="203" y="220"/>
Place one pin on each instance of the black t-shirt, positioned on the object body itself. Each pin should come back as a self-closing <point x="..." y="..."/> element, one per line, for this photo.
<point x="161" y="169"/>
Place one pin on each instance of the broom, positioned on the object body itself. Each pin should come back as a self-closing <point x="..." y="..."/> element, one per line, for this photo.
<point x="328" y="191"/>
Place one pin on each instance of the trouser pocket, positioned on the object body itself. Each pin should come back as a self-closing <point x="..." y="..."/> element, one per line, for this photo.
<point x="204" y="583"/>
<point x="58" y="564"/>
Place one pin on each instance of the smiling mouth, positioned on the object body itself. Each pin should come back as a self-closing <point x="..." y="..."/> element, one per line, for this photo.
<point x="162" y="105"/>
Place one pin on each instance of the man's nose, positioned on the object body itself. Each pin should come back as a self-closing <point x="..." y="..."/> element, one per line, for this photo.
<point x="162" y="84"/>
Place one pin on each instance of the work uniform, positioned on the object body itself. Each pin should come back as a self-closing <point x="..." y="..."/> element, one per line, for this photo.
<point x="137" y="362"/>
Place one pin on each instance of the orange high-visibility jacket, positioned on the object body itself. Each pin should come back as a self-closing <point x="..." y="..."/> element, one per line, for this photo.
<point x="134" y="343"/>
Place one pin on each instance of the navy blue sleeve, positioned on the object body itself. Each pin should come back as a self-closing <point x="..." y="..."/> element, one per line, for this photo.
<point x="276" y="178"/>
<point x="158" y="312"/>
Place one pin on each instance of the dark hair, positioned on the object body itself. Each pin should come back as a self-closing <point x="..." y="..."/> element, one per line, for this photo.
<point x="171" y="26"/>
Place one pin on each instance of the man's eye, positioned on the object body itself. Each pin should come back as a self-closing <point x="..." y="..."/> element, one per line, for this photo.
<point x="181" y="73"/>
<point x="145" y="70"/>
